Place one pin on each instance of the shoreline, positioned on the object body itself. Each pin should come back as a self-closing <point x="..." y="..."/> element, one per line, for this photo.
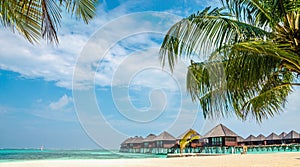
<point x="235" y="160"/>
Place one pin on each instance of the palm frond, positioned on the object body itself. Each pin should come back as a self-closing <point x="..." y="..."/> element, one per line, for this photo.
<point x="250" y="56"/>
<point x="83" y="9"/>
<point x="288" y="58"/>
<point x="203" y="33"/>
<point x="50" y="20"/>
<point x="250" y="74"/>
<point x="35" y="19"/>
<point x="22" y="16"/>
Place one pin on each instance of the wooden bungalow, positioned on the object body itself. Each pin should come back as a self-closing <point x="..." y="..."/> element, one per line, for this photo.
<point x="221" y="136"/>
<point x="292" y="137"/>
<point x="136" y="144"/>
<point x="125" y="145"/>
<point x="163" y="142"/>
<point x="250" y="140"/>
<point x="282" y="135"/>
<point x="260" y="140"/>
<point x="273" y="139"/>
<point x="149" y="143"/>
<point x="240" y="140"/>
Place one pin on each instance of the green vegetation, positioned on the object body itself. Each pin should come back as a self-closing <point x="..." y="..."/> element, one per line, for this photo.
<point x="251" y="56"/>
<point x="36" y="19"/>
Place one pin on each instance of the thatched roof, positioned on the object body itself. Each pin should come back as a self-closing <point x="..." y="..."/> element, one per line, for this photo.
<point x="137" y="139"/>
<point x="164" y="136"/>
<point x="250" y="138"/>
<point x="292" y="135"/>
<point x="187" y="131"/>
<point x="126" y="140"/>
<point x="240" y="139"/>
<point x="260" y="137"/>
<point x="149" y="138"/>
<point x="282" y="135"/>
<point x="220" y="131"/>
<point x="273" y="136"/>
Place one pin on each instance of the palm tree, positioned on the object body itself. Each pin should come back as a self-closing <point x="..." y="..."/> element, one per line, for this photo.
<point x="245" y="56"/>
<point x="36" y="19"/>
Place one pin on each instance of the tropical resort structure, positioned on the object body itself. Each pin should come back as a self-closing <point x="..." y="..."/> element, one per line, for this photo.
<point x="219" y="140"/>
<point x="151" y="144"/>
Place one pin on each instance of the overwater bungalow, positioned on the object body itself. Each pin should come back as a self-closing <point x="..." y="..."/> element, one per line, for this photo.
<point x="149" y="144"/>
<point x="218" y="140"/>
<point x="240" y="140"/>
<point x="221" y="136"/>
<point x="273" y="139"/>
<point x="250" y="140"/>
<point x="163" y="142"/>
<point x="282" y="135"/>
<point x="136" y="144"/>
<point x="292" y="137"/>
<point x="125" y="145"/>
<point x="260" y="140"/>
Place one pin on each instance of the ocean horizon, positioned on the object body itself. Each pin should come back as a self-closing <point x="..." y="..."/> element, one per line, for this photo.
<point x="7" y="155"/>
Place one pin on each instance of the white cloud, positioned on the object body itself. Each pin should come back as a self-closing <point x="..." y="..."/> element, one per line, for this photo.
<point x="61" y="103"/>
<point x="57" y="63"/>
<point x="120" y="52"/>
<point x="48" y="62"/>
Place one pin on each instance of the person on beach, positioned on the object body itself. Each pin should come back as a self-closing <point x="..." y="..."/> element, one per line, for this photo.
<point x="245" y="148"/>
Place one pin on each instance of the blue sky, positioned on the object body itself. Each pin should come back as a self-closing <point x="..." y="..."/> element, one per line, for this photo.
<point x="104" y="82"/>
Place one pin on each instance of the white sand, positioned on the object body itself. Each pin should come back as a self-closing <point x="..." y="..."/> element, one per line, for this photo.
<point x="253" y="160"/>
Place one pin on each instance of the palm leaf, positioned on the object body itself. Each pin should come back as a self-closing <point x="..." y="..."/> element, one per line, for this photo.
<point x="84" y="9"/>
<point x="203" y="33"/>
<point x="247" y="72"/>
<point x="35" y="19"/>
<point x="249" y="52"/>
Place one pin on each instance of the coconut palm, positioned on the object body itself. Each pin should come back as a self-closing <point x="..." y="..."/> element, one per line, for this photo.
<point x="245" y="56"/>
<point x="35" y="19"/>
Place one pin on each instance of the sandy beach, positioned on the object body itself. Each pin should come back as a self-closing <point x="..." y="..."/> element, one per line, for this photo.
<point x="249" y="160"/>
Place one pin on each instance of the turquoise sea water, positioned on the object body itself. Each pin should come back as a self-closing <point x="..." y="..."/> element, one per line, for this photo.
<point x="36" y="154"/>
<point x="251" y="149"/>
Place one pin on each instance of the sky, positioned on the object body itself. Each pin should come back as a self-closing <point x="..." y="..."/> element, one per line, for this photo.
<point x="104" y="83"/>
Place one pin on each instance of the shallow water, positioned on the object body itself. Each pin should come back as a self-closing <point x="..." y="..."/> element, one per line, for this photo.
<point x="36" y="154"/>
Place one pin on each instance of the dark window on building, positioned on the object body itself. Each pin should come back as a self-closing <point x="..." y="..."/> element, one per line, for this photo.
<point x="159" y="143"/>
<point x="230" y="139"/>
<point x="215" y="141"/>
